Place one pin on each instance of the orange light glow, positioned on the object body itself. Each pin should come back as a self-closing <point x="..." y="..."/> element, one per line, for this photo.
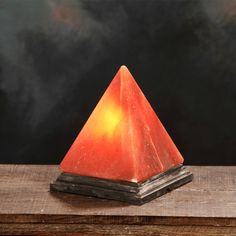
<point x="107" y="119"/>
<point x="111" y="119"/>
<point x="123" y="139"/>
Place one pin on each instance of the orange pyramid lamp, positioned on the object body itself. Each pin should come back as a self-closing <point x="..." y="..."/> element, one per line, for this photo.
<point x="123" y="152"/>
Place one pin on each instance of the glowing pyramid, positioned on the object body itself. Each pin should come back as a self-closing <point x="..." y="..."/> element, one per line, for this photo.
<point x="123" y="138"/>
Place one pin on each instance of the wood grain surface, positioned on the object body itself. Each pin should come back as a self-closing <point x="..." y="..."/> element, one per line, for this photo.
<point x="206" y="206"/>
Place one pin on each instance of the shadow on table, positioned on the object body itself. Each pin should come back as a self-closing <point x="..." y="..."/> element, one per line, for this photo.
<point x="81" y="202"/>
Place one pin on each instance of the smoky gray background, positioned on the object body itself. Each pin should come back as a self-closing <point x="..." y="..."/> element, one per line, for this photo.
<point x="58" y="57"/>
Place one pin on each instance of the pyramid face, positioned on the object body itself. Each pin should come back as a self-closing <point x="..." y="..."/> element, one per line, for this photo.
<point x="123" y="139"/>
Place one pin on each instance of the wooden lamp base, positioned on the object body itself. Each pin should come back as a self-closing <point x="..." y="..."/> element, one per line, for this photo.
<point x="134" y="193"/>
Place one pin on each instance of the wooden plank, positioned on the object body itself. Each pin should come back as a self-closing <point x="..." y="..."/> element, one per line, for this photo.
<point x="128" y="220"/>
<point x="97" y="229"/>
<point x="208" y="202"/>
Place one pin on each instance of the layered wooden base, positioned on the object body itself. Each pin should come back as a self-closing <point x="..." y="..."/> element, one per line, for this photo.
<point x="134" y="193"/>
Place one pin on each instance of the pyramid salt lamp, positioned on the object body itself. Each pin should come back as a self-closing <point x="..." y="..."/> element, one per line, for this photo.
<point x="123" y="152"/>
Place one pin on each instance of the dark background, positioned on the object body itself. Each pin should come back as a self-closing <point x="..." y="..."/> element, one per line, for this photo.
<point x="58" y="57"/>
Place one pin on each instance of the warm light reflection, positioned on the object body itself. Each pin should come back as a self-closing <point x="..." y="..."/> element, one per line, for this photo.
<point x="111" y="118"/>
<point x="107" y="119"/>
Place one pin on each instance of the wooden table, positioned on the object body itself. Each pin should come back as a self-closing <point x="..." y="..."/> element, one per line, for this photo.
<point x="206" y="206"/>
